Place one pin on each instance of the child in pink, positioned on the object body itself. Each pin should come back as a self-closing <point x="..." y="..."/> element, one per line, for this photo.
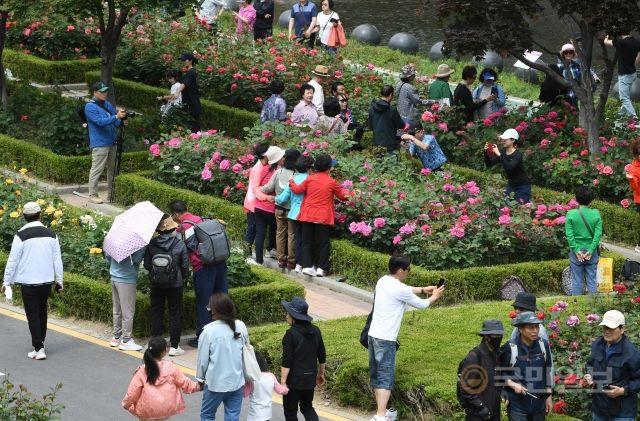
<point x="154" y="391"/>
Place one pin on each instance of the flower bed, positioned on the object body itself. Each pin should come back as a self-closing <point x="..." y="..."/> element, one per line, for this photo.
<point x="439" y="219"/>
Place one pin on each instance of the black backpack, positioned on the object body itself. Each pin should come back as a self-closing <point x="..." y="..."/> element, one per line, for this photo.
<point x="164" y="271"/>
<point x="81" y="110"/>
<point x="464" y="402"/>
<point x="630" y="270"/>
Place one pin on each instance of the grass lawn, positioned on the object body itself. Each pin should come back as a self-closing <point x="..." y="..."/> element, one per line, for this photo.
<point x="432" y="344"/>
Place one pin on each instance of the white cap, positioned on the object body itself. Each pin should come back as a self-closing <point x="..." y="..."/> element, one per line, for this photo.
<point x="567" y="47"/>
<point x="274" y="154"/>
<point x="510" y="134"/>
<point x="31" y="208"/>
<point x="612" y="319"/>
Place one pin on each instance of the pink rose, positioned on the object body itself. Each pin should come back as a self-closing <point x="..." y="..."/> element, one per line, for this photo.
<point x="155" y="149"/>
<point x="425" y="171"/>
<point x="267" y="134"/>
<point x="337" y="74"/>
<point x="448" y="187"/>
<point x="379" y="222"/>
<point x="347" y="183"/>
<point x="236" y="168"/>
<point x="215" y="157"/>
<point x="444" y="127"/>
<point x="504" y="219"/>
<point x="234" y="87"/>
<point x="624" y="203"/>
<point x="206" y="174"/>
<point x="370" y="66"/>
<point x="26" y="32"/>
<point x="457" y="231"/>
<point x="397" y="239"/>
<point x="224" y="165"/>
<point x="70" y="28"/>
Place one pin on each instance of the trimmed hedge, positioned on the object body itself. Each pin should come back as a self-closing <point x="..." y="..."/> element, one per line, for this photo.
<point x="133" y="188"/>
<point x="89" y="299"/>
<point x="433" y="342"/>
<point x="142" y="98"/>
<point x="34" y="69"/>
<point x="45" y="164"/>
<point x="361" y="267"/>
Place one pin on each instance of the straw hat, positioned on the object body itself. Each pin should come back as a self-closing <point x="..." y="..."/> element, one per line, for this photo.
<point x="321" y="70"/>
<point x="166" y="224"/>
<point x="444" y="70"/>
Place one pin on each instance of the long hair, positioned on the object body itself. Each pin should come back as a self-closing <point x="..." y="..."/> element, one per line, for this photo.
<point x="157" y="345"/>
<point x="223" y="309"/>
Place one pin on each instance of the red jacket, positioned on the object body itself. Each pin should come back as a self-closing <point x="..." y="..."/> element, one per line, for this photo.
<point x="194" y="256"/>
<point x="634" y="183"/>
<point x="317" y="205"/>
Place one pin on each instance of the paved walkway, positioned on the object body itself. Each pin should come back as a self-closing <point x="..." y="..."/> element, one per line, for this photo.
<point x="94" y="376"/>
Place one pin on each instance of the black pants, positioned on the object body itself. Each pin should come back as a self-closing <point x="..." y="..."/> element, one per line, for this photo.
<point x="297" y="231"/>
<point x="35" y="306"/>
<point x="174" y="298"/>
<point x="264" y="219"/>
<point x="195" y="122"/>
<point x="304" y="398"/>
<point x="316" y="245"/>
<point x="250" y="235"/>
<point x="262" y="33"/>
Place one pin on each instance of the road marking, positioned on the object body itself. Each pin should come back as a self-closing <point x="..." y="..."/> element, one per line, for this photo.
<point x="138" y="355"/>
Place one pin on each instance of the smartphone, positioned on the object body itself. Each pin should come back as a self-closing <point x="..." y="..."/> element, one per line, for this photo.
<point x="494" y="91"/>
<point x="334" y="20"/>
<point x="441" y="282"/>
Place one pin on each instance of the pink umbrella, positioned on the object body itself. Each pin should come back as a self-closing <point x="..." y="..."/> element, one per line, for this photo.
<point x="132" y="230"/>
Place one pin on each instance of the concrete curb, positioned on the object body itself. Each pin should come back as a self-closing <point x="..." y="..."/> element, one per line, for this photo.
<point x="328" y="282"/>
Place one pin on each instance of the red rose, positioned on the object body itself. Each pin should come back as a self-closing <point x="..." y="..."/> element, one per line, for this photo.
<point x="571" y="379"/>
<point x="512" y="314"/>
<point x="540" y="315"/>
<point x="560" y="407"/>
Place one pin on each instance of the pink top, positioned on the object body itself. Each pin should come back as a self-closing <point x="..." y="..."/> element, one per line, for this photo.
<point x="261" y="201"/>
<point x="162" y="399"/>
<point x="254" y="179"/>
<point x="249" y="13"/>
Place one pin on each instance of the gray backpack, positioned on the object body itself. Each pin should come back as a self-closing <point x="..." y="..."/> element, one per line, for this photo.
<point x="209" y="240"/>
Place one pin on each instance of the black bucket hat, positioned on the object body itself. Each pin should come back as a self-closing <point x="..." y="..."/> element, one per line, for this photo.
<point x="297" y="308"/>
<point x="492" y="327"/>
<point x="525" y="300"/>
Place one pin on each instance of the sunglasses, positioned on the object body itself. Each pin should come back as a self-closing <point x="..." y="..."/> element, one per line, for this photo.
<point x="344" y="100"/>
<point x="569" y="52"/>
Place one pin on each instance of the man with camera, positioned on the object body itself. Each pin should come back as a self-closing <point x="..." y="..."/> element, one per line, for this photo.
<point x="102" y="120"/>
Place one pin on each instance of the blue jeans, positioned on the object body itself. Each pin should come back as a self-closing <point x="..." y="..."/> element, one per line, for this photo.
<point x="206" y="282"/>
<point x="521" y="193"/>
<point x="382" y="363"/>
<point x="598" y="417"/>
<point x="586" y="270"/>
<point x="211" y="401"/>
<point x="624" y="91"/>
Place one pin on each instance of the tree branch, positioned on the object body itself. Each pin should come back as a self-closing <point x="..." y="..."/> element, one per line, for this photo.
<point x="543" y="68"/>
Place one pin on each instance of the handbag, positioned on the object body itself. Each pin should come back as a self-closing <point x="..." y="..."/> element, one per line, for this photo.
<point x="584" y="220"/>
<point x="250" y="367"/>
<point x="364" y="334"/>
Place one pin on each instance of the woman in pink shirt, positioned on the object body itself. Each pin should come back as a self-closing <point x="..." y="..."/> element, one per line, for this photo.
<point x="245" y="18"/>
<point x="250" y="199"/>
<point x="264" y="206"/>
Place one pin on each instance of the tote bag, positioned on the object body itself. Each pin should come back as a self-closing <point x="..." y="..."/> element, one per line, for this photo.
<point x="250" y="367"/>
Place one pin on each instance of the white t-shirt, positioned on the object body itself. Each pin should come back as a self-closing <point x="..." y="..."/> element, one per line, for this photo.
<point x="175" y="90"/>
<point x="392" y="298"/>
<point x="485" y="110"/>
<point x="209" y="10"/>
<point x="260" y="398"/>
<point x="325" y="25"/>
<point x="318" y="96"/>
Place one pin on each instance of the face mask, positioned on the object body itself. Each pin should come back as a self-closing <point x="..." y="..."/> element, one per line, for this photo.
<point x="494" y="343"/>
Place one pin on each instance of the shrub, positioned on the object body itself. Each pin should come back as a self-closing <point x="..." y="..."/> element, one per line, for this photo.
<point x="142" y="98"/>
<point x="39" y="70"/>
<point x="18" y="404"/>
<point x="47" y="165"/>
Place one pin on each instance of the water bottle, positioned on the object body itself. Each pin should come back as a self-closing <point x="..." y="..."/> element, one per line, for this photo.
<point x="392" y="414"/>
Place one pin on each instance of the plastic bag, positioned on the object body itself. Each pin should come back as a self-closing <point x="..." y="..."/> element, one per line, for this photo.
<point x="605" y="274"/>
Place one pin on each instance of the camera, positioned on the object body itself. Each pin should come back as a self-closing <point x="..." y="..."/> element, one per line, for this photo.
<point x="131" y="114"/>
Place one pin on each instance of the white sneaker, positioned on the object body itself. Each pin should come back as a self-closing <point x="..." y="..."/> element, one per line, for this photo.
<point x="32" y="354"/>
<point x="377" y="418"/>
<point x="114" y="342"/>
<point x="251" y="261"/>
<point x="319" y="272"/>
<point x="298" y="268"/>
<point x="309" y="271"/>
<point x="40" y="355"/>
<point x="130" y="345"/>
<point x="174" y="352"/>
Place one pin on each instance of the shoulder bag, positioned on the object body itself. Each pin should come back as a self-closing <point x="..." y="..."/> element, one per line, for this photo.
<point x="250" y="367"/>
<point x="364" y="334"/>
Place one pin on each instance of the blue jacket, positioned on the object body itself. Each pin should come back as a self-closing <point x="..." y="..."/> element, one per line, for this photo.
<point x="296" y="199"/>
<point x="532" y="370"/>
<point x="498" y="103"/>
<point x="127" y="270"/>
<point x="624" y="363"/>
<point x="102" y="123"/>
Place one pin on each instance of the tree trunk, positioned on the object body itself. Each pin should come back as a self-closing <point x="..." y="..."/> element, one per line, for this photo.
<point x="108" y="54"/>
<point x="3" y="37"/>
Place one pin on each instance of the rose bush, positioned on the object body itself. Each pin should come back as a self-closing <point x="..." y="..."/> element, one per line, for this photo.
<point x="439" y="219"/>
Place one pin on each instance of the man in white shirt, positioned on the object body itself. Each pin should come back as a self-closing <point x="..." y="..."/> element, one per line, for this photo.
<point x="35" y="263"/>
<point x="391" y="299"/>
<point x="320" y="73"/>
<point x="210" y="10"/>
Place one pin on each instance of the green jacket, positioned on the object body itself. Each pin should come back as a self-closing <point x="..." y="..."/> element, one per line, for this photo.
<point x="578" y="235"/>
<point x="440" y="89"/>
